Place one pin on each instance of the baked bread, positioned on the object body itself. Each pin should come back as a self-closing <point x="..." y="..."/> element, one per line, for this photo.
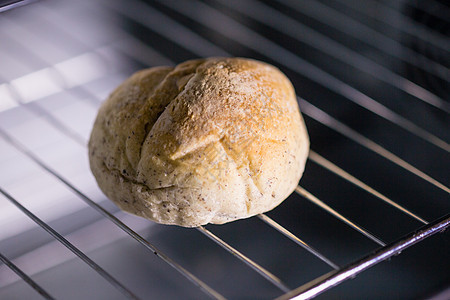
<point x="208" y="141"/>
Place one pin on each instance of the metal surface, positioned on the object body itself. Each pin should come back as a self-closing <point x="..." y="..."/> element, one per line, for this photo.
<point x="379" y="166"/>
<point x="333" y="278"/>
<point x="10" y="4"/>
<point x="266" y="274"/>
<point x="71" y="247"/>
<point x="25" y="277"/>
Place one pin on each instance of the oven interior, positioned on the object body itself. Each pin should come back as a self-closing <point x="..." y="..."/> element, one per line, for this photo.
<point x="373" y="84"/>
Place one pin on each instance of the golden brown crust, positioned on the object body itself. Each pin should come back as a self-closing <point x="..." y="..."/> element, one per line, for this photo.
<point x="211" y="140"/>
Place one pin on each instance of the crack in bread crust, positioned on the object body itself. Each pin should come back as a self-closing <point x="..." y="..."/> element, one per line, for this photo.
<point x="148" y="130"/>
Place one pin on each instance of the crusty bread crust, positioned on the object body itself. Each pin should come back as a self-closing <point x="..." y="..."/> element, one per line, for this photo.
<point x="209" y="141"/>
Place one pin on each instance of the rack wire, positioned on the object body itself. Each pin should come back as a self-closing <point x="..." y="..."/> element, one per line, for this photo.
<point x="53" y="72"/>
<point x="25" y="277"/>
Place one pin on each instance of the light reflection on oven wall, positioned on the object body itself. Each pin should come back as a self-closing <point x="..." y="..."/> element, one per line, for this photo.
<point x="48" y="50"/>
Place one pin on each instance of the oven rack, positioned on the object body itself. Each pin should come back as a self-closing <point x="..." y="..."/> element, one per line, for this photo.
<point x="103" y="57"/>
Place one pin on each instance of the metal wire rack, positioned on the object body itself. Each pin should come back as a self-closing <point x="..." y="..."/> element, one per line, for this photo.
<point x="376" y="181"/>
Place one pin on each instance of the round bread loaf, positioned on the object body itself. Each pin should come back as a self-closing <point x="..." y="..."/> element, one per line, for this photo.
<point x="208" y="141"/>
